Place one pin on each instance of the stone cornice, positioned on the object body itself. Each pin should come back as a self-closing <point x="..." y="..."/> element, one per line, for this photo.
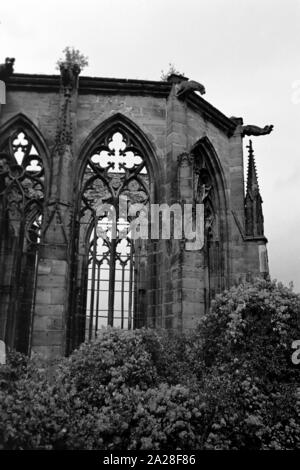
<point x="89" y="85"/>
<point x="111" y="86"/>
<point x="28" y="82"/>
<point x="211" y="113"/>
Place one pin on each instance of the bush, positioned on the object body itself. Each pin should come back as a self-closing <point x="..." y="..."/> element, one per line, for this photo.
<point x="246" y="349"/>
<point x="230" y="384"/>
<point x="253" y="326"/>
<point x="13" y="370"/>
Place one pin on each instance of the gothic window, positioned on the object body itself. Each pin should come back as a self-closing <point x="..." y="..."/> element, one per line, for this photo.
<point x="24" y="185"/>
<point x="21" y="210"/>
<point x="112" y="262"/>
<point x="206" y="192"/>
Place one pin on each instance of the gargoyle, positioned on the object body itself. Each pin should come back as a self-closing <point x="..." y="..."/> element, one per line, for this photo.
<point x="256" y="130"/>
<point x="187" y="86"/>
<point x="7" y="68"/>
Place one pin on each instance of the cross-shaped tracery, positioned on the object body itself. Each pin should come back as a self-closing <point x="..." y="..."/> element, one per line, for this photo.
<point x="115" y="170"/>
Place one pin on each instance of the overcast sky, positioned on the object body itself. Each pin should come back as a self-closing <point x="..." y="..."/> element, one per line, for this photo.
<point x="245" y="52"/>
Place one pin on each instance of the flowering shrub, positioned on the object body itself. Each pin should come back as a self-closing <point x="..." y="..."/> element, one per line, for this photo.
<point x="230" y="384"/>
<point x="254" y="324"/>
<point x="15" y="368"/>
<point x="246" y="347"/>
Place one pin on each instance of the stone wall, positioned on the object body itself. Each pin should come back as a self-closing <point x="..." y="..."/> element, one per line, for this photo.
<point x="177" y="290"/>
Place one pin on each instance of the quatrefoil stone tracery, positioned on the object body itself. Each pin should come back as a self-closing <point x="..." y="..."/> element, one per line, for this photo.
<point x="117" y="157"/>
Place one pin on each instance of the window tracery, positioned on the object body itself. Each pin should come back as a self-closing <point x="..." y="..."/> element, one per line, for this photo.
<point x="115" y="175"/>
<point x="22" y="190"/>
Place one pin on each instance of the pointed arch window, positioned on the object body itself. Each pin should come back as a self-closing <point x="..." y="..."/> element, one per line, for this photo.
<point x="113" y="265"/>
<point x="209" y="191"/>
<point x="22" y="190"/>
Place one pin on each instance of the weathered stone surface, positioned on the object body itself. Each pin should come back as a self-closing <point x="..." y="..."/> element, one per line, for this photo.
<point x="178" y="285"/>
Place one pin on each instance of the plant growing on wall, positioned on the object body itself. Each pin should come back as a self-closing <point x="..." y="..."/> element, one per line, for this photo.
<point x="172" y="70"/>
<point x="72" y="57"/>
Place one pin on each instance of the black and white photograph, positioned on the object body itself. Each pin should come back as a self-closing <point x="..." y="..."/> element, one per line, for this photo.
<point x="149" y="229"/>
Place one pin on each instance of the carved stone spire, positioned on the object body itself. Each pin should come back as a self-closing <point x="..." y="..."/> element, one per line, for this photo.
<point x="253" y="201"/>
<point x="252" y="181"/>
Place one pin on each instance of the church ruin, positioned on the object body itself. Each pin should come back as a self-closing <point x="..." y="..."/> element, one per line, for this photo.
<point x="69" y="143"/>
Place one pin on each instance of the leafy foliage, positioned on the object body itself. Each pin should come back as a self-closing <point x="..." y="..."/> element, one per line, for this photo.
<point x="172" y="70"/>
<point x="71" y="57"/>
<point x="230" y="384"/>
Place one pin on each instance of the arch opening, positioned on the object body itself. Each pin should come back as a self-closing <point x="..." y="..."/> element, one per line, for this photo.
<point x="111" y="260"/>
<point x="22" y="195"/>
<point x="210" y="190"/>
